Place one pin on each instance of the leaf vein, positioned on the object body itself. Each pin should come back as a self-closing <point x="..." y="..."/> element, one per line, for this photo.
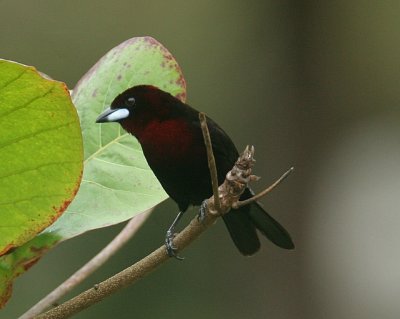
<point x="115" y="189"/>
<point x="123" y="165"/>
<point x="26" y="104"/>
<point x="13" y="80"/>
<point x="34" y="134"/>
<point x="101" y="149"/>
<point x="35" y="168"/>
<point x="30" y="198"/>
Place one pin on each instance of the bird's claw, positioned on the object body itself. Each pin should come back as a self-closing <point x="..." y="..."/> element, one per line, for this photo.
<point x="202" y="211"/>
<point x="169" y="245"/>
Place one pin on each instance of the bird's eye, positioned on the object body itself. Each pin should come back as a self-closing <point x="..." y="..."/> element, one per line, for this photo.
<point x="130" y="101"/>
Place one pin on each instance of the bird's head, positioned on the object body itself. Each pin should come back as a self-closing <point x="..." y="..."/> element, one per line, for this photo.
<point x="136" y="106"/>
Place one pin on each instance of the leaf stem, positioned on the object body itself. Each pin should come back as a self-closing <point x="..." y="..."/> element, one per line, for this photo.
<point x="96" y="262"/>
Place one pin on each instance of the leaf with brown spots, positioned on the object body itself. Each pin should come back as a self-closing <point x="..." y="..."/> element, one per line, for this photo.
<point x="41" y="157"/>
<point x="19" y="260"/>
<point x="117" y="183"/>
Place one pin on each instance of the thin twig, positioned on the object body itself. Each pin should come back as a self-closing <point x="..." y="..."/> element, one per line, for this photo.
<point x="126" y="233"/>
<point x="211" y="160"/>
<point x="264" y="192"/>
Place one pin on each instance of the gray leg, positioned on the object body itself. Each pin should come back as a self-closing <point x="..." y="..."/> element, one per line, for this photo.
<point x="170" y="236"/>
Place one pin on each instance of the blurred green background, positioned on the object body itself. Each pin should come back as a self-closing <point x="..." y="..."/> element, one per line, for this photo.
<point x="311" y="84"/>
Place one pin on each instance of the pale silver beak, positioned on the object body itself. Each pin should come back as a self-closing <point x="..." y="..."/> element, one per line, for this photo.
<point x="112" y="115"/>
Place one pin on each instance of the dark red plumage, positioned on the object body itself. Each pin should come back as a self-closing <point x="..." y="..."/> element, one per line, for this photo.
<point x="170" y="135"/>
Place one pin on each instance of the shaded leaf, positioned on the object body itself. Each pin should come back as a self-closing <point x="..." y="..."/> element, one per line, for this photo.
<point x="20" y="260"/>
<point x="117" y="183"/>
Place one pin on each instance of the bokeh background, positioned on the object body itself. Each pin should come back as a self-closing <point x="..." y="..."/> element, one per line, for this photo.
<point x="311" y="84"/>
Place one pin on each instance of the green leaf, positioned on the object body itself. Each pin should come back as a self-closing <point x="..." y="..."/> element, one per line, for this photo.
<point x="117" y="183"/>
<point x="41" y="158"/>
<point x="40" y="151"/>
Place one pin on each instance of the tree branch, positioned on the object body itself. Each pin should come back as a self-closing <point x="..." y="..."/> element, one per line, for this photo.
<point x="226" y="196"/>
<point x="129" y="275"/>
<point x="96" y="262"/>
<point x="230" y="191"/>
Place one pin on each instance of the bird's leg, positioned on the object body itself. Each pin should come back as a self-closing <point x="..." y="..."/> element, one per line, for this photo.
<point x="202" y="211"/>
<point x="170" y="237"/>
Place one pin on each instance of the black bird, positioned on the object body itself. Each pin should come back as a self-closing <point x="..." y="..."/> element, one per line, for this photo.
<point x="171" y="138"/>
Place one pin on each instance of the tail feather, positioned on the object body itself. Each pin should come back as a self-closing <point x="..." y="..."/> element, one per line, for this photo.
<point x="269" y="227"/>
<point x="243" y="232"/>
<point x="242" y="225"/>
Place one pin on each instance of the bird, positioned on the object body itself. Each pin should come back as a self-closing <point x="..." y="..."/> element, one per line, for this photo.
<point x="171" y="138"/>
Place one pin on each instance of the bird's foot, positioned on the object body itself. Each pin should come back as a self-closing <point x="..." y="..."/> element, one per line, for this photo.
<point x="202" y="211"/>
<point x="169" y="245"/>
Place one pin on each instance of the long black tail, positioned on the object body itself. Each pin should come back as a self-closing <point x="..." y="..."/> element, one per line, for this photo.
<point x="242" y="225"/>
